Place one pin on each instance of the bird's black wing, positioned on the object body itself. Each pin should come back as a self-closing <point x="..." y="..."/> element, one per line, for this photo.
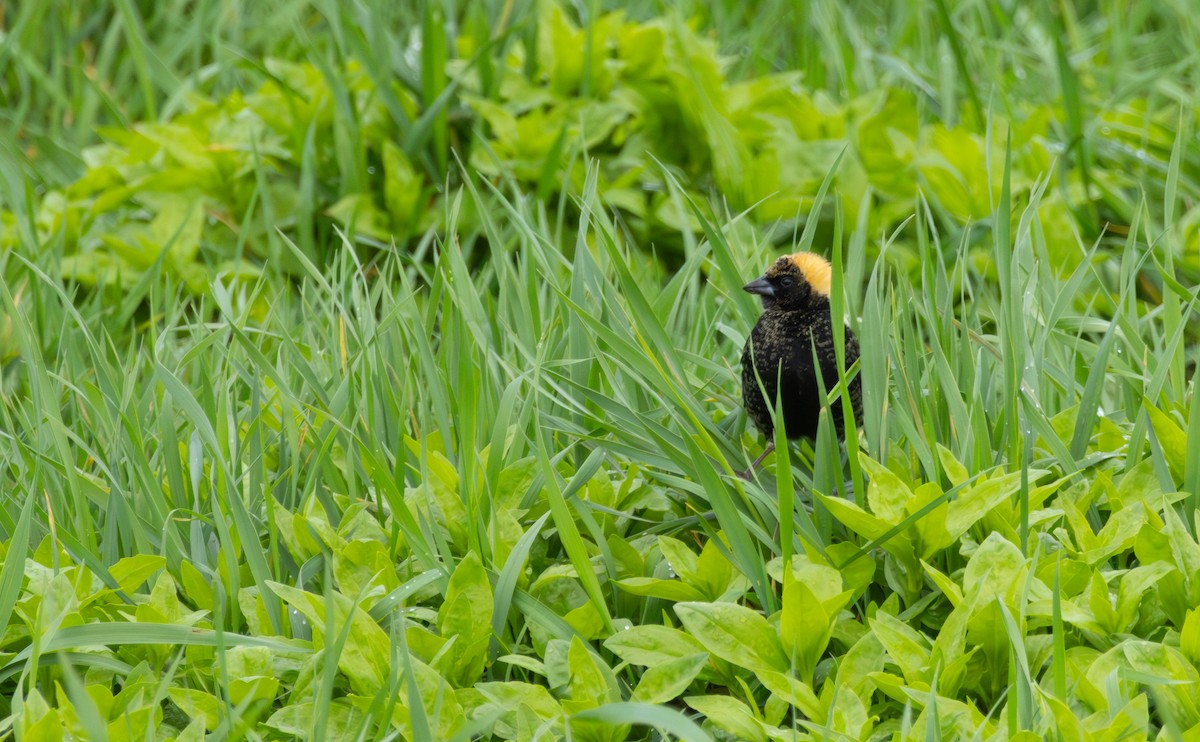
<point x="801" y="396"/>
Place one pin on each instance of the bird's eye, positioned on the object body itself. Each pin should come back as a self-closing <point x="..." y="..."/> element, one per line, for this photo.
<point x="787" y="282"/>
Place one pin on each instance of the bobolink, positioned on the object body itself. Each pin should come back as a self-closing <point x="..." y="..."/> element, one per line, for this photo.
<point x="794" y="330"/>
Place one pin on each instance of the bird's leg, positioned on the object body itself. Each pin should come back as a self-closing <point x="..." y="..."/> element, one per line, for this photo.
<point x="750" y="472"/>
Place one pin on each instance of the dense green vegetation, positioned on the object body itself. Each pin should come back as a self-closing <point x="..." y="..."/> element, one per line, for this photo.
<point x="369" y="371"/>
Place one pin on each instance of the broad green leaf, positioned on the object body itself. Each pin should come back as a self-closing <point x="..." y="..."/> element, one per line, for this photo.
<point x="1071" y="613"/>
<point x="864" y="658"/>
<point x="1081" y="530"/>
<point x="950" y="654"/>
<point x="366" y="655"/>
<point x="164" y="605"/>
<point x="734" y="633"/>
<point x="256" y="688"/>
<point x="620" y="716"/>
<point x="1183" y="545"/>
<point x="1118" y="534"/>
<point x="806" y="622"/>
<point x="84" y="709"/>
<point x="1170" y="437"/>
<point x="1173" y="679"/>
<point x="438" y="497"/>
<point x="515" y="480"/>
<point x="976" y="501"/>
<point x="855" y="518"/>
<point x="1100" y="602"/>
<point x="849" y="715"/>
<point x="57" y="598"/>
<point x="193" y="732"/>
<point x="1134" y="584"/>
<point x="997" y="569"/>
<point x="907" y="647"/>
<point x="135" y="723"/>
<point x="672" y="590"/>
<point x="665" y="682"/>
<point x="1140" y="484"/>
<point x="466" y="617"/>
<point x="424" y="644"/>
<point x="651" y="645"/>
<point x="591" y="683"/>
<point x="506" y="698"/>
<point x="254" y="611"/>
<point x="531" y="664"/>
<point x="825" y="582"/>
<point x="197" y="704"/>
<point x="680" y="557"/>
<point x="402" y="188"/>
<point x="951" y="164"/>
<point x="586" y="621"/>
<point x="439" y="703"/>
<point x="248" y="661"/>
<point x="341" y="719"/>
<point x="285" y="523"/>
<point x="358" y="212"/>
<point x="857" y="575"/>
<point x="195" y="587"/>
<point x="37" y="720"/>
<point x="948" y="586"/>
<point x="793" y="690"/>
<point x="715" y="574"/>
<point x="628" y="561"/>
<point x="932" y="536"/>
<point x="1189" y="637"/>
<point x="920" y="697"/>
<point x="1065" y="719"/>
<point x="729" y="715"/>
<point x="318" y="526"/>
<point x="955" y="471"/>
<point x="887" y="494"/>
<point x="132" y="571"/>
<point x="1127" y="721"/>
<point x="364" y="567"/>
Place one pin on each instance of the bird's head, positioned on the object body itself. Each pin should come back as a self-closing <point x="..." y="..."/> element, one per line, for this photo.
<point x="794" y="282"/>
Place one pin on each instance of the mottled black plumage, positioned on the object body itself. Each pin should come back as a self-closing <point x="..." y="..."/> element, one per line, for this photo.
<point x="795" y="321"/>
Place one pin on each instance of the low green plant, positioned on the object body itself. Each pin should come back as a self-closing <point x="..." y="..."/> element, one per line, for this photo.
<point x="213" y="189"/>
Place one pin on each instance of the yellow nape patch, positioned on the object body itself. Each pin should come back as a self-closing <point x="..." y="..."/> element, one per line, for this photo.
<point x="815" y="269"/>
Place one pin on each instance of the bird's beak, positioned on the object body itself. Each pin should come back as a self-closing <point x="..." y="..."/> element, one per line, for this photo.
<point x="760" y="286"/>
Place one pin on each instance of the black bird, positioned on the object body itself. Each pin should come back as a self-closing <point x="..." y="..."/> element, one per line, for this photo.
<point x="794" y="322"/>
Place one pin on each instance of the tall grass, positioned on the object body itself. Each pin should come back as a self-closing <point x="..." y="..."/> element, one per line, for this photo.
<point x="196" y="439"/>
